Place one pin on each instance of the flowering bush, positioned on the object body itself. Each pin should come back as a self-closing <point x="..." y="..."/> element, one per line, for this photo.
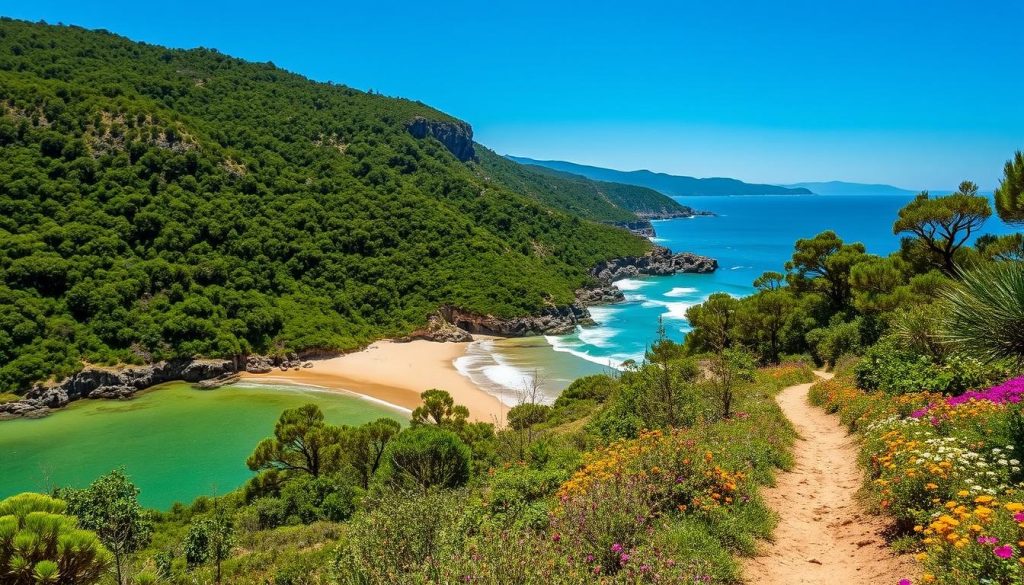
<point x="946" y="468"/>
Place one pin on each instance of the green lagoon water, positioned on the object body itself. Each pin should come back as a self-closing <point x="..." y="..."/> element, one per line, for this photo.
<point x="175" y="442"/>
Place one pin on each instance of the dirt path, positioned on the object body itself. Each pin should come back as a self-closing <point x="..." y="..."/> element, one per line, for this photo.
<point x="823" y="536"/>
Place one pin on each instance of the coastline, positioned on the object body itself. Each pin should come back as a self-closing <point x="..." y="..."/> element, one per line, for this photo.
<point x="395" y="373"/>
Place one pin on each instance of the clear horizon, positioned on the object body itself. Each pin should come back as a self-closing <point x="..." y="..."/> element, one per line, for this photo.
<point x="917" y="96"/>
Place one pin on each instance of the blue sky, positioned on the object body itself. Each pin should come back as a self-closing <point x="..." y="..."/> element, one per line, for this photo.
<point x="918" y="94"/>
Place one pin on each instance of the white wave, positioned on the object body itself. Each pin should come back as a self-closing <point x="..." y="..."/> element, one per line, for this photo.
<point x="598" y="336"/>
<point x="488" y="370"/>
<point x="681" y="291"/>
<point x="737" y="268"/>
<point x="631" y="284"/>
<point x="604" y="314"/>
<point x="613" y="361"/>
<point x="658" y="240"/>
<point x="635" y="298"/>
<point x="674" y="310"/>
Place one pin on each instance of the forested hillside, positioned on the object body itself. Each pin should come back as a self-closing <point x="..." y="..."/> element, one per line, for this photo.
<point x="576" y="194"/>
<point x="158" y="203"/>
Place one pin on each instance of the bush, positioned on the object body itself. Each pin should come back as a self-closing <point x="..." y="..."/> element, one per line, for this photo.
<point x="425" y="457"/>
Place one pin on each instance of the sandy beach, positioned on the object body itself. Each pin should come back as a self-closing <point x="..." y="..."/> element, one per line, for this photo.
<point x="396" y="373"/>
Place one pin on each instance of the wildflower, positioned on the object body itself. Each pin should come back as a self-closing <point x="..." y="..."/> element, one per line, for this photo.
<point x="987" y="540"/>
<point x="904" y="582"/>
<point x="1003" y="552"/>
<point x="616" y="547"/>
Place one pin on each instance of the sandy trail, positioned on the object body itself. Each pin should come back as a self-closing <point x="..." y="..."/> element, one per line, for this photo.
<point x="823" y="536"/>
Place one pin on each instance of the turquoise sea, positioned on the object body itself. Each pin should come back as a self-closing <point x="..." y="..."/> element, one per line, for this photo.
<point x="748" y="236"/>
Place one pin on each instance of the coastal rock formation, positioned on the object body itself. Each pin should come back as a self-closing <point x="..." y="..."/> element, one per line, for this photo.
<point x="457" y="137"/>
<point x="550" y="321"/>
<point x="601" y="295"/>
<point x="100" y="382"/>
<point x="660" y="261"/>
<point x="440" y="330"/>
<point x="640" y="227"/>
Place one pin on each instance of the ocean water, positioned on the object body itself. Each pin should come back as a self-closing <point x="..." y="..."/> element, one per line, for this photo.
<point x="175" y="442"/>
<point x="748" y="236"/>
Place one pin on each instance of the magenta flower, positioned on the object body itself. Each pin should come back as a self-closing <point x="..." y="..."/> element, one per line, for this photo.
<point x="1018" y="517"/>
<point x="904" y="582"/>
<point x="556" y="537"/>
<point x="1003" y="552"/>
<point x="624" y="558"/>
<point x="987" y="540"/>
<point x="616" y="547"/>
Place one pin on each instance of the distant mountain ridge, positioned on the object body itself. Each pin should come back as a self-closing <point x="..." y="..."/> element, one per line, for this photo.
<point x="672" y="185"/>
<point x="846" y="188"/>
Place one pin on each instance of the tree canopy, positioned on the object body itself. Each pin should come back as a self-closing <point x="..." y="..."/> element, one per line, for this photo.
<point x="159" y="203"/>
<point x="944" y="224"/>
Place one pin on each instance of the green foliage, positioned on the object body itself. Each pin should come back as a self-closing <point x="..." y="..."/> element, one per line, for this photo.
<point x="110" y="508"/>
<point x="39" y="545"/>
<point x="944" y="224"/>
<point x="419" y="533"/>
<point x="823" y="263"/>
<point x="575" y="194"/>
<point x="425" y="457"/>
<point x="828" y="344"/>
<point x="984" y="312"/>
<point x="302" y="444"/>
<point x="524" y="416"/>
<point x="160" y="203"/>
<point x="1010" y="193"/>
<point x="439" y="408"/>
<point x="895" y="367"/>
<point x="210" y="539"/>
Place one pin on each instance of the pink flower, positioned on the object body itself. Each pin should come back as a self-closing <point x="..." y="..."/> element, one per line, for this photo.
<point x="987" y="540"/>
<point x="556" y="537"/>
<point x="624" y="558"/>
<point x="1018" y="517"/>
<point x="1003" y="552"/>
<point x="904" y="582"/>
<point x="616" y="547"/>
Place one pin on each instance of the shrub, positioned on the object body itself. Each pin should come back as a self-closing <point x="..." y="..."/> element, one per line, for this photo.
<point x="425" y="457"/>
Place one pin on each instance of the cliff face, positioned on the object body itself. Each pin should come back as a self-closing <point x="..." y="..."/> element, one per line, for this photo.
<point x="457" y="137"/>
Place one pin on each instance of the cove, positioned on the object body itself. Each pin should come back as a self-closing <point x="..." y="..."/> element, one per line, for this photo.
<point x="174" y="441"/>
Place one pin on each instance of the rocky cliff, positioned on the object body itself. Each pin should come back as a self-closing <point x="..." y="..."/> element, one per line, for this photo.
<point x="659" y="261"/>
<point x="549" y="321"/>
<point x="121" y="382"/>
<point x="457" y="137"/>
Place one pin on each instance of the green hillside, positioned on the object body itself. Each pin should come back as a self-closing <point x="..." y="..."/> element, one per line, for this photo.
<point x="158" y="203"/>
<point x="576" y="194"/>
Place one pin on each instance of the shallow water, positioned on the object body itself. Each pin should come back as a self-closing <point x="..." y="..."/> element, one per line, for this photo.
<point x="174" y="441"/>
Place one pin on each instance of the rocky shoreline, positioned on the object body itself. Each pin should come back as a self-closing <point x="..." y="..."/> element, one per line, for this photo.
<point x="449" y="324"/>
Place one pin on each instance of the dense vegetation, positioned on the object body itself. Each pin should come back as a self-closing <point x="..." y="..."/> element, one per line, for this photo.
<point x="158" y="203"/>
<point x="578" y="195"/>
<point x="929" y="348"/>
<point x="637" y="478"/>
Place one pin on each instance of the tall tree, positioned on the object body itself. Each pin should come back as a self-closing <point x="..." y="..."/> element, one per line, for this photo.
<point x="944" y="224"/>
<point x="302" y="443"/>
<point x="439" y="408"/>
<point x="1010" y="193"/>
<point x="110" y="507"/>
<point x="364" y="446"/>
<point x="823" y="263"/>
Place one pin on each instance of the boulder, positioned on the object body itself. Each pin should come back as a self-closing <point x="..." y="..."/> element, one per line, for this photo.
<point x="660" y="261"/>
<point x="456" y="136"/>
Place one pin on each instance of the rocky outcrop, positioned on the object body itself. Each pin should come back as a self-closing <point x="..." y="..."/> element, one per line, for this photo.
<point x="601" y="295"/>
<point x="440" y="330"/>
<point x="640" y="227"/>
<point x="659" y="261"/>
<point x="457" y="137"/>
<point x="121" y="382"/>
<point x="550" y="321"/>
